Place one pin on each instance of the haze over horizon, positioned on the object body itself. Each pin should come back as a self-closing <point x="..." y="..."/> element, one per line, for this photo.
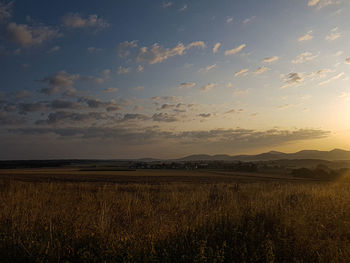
<point x="166" y="79"/>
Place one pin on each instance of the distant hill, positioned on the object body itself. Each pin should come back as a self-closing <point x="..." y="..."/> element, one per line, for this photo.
<point x="333" y="155"/>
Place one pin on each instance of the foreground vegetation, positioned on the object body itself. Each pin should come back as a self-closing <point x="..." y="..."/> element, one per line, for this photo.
<point x="180" y="222"/>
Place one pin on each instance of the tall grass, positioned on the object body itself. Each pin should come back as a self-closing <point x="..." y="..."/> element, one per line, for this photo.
<point x="257" y="222"/>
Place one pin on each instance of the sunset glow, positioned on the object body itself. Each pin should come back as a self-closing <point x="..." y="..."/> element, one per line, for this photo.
<point x="132" y="79"/>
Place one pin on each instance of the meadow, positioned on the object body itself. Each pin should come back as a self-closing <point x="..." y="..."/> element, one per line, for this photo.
<point x="62" y="215"/>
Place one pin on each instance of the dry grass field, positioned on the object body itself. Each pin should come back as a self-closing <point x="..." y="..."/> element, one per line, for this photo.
<point x="66" y="215"/>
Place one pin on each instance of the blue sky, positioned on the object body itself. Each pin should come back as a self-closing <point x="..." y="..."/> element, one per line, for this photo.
<point x="129" y="79"/>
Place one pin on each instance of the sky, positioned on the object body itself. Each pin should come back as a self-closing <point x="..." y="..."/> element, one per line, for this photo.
<point x="165" y="79"/>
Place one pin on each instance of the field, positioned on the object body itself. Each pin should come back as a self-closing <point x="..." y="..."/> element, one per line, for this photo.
<point x="75" y="215"/>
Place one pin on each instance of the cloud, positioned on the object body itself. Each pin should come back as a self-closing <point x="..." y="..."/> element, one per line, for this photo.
<point x="95" y="103"/>
<point x="306" y="37"/>
<point x="168" y="4"/>
<point x="5" y="10"/>
<point x="240" y="92"/>
<point x="261" y="70"/>
<point x="64" y="104"/>
<point x="248" y="20"/>
<point x="347" y="61"/>
<point x="205" y="115"/>
<point x="61" y="79"/>
<point x="27" y="36"/>
<point x="234" y="111"/>
<point x="223" y="139"/>
<point x="66" y="91"/>
<point x="59" y="104"/>
<point x="166" y="106"/>
<point x="135" y="116"/>
<point x="123" y="48"/>
<point x="21" y="94"/>
<point x="216" y="47"/>
<point x="241" y="72"/>
<point x="24" y="108"/>
<point x="54" y="49"/>
<point x="157" y="54"/>
<point x="111" y="90"/>
<point x="336" y="77"/>
<point x="333" y="35"/>
<point x="313" y="2"/>
<point x="164" y="117"/>
<point x="292" y="79"/>
<point x="9" y="119"/>
<point x="322" y="3"/>
<point x="139" y="88"/>
<point x="76" y="20"/>
<point x="199" y="44"/>
<point x="207" y="68"/>
<point x="345" y="95"/>
<point x="187" y="85"/>
<point x="208" y="87"/>
<point x="320" y="73"/>
<point x="140" y="68"/>
<point x="284" y="106"/>
<point x="270" y="59"/>
<point x="65" y="117"/>
<point x="184" y="8"/>
<point x="165" y="98"/>
<point x="94" y="50"/>
<point x="229" y="20"/>
<point x="235" y="50"/>
<point x="121" y="70"/>
<point x="304" y="57"/>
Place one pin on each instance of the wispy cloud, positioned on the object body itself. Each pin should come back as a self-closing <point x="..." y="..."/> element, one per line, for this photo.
<point x="187" y="85"/>
<point x="121" y="70"/>
<point x="284" y="106"/>
<point x="229" y="20"/>
<point x="94" y="50"/>
<point x="167" y="4"/>
<point x="308" y="36"/>
<point x="207" y="68"/>
<point x="336" y="77"/>
<point x="157" y="54"/>
<point x="123" y="48"/>
<point x="54" y="49"/>
<point x="184" y="8"/>
<point x="292" y="79"/>
<point x="319" y="4"/>
<point x="261" y="70"/>
<point x="208" y="87"/>
<point x="248" y="20"/>
<point x="76" y="20"/>
<point x="304" y="57"/>
<point x="139" y="88"/>
<point x="111" y="90"/>
<point x="333" y="35"/>
<point x="270" y="59"/>
<point x="216" y="47"/>
<point x="241" y="72"/>
<point x="235" y="50"/>
<point x="345" y="95"/>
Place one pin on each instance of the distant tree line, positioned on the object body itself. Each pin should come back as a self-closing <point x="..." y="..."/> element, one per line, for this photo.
<point x="321" y="172"/>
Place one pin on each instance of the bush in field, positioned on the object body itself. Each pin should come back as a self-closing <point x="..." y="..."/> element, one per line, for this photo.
<point x="321" y="172"/>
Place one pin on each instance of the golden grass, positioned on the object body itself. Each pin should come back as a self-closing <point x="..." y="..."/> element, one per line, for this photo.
<point x="180" y="222"/>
